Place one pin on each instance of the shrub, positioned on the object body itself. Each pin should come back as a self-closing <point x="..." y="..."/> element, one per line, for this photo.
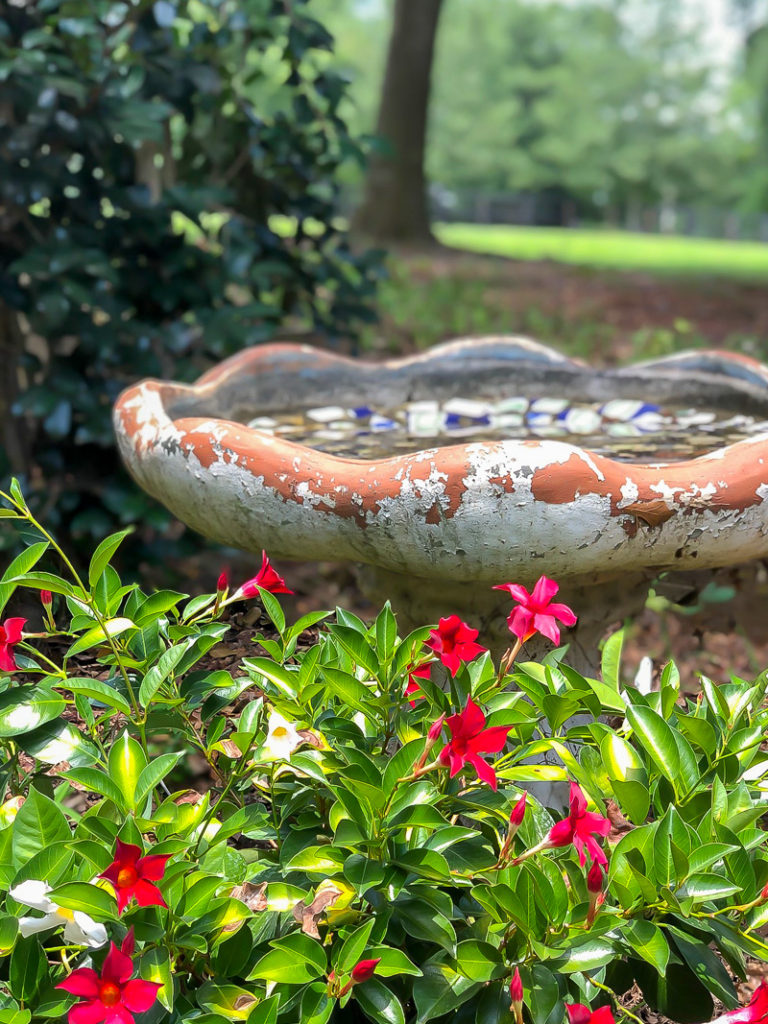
<point x="353" y="850"/>
<point x="167" y="184"/>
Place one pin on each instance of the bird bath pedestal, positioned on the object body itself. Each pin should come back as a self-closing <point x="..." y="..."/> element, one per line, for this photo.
<point x="482" y="461"/>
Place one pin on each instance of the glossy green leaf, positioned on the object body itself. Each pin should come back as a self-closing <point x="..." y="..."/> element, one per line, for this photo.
<point x="126" y="763"/>
<point x="379" y="1002"/>
<point x="24" y="708"/>
<point x="90" y="899"/>
<point x="657" y="738"/>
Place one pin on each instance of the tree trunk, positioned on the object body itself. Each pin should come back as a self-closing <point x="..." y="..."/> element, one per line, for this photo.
<point x="395" y="207"/>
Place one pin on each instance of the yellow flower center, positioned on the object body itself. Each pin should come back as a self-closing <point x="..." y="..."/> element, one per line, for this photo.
<point x="280" y="732"/>
<point x="109" y="993"/>
<point x="126" y="877"/>
<point x="68" y="915"/>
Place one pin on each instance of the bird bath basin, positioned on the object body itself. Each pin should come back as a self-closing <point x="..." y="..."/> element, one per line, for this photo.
<point x="479" y="462"/>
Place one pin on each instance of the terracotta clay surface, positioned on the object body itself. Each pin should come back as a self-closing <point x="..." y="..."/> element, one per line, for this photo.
<point x="469" y="512"/>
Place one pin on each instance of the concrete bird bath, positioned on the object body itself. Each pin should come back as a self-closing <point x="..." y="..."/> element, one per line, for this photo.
<point x="481" y="461"/>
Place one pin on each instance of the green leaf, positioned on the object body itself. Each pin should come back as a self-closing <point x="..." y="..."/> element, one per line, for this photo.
<point x="379" y="1003"/>
<point x="479" y="961"/>
<point x="157" y="675"/>
<point x="439" y="991"/>
<point x="707" y="967"/>
<point x="103" y="554"/>
<point x="391" y="961"/>
<point x="155" y="965"/>
<point x="20" y="565"/>
<point x="98" y="635"/>
<point x="39" y="823"/>
<point x="294" y="960"/>
<point x="357" y="647"/>
<point x="90" y="899"/>
<point x="103" y="693"/>
<point x="313" y="859"/>
<point x="28" y="970"/>
<point x="23" y="708"/>
<point x="647" y="941"/>
<point x="352" y="947"/>
<point x="95" y="780"/>
<point x="708" y="886"/>
<point x="9" y="929"/>
<point x="425" y="923"/>
<point x="126" y="763"/>
<point x="658" y="739"/>
<point x="586" y="956"/>
<point x="154" y="773"/>
<point x="610" y="667"/>
<point x="363" y="873"/>
<point x="58" y="741"/>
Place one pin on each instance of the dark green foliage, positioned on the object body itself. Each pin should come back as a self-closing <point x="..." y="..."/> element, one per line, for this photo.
<point x="166" y="197"/>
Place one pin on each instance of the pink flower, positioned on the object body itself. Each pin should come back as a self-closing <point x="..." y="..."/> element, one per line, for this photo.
<point x="580" y="1014"/>
<point x="111" y="997"/>
<point x="132" y="876"/>
<point x="536" y="613"/>
<point x="10" y="635"/>
<point x="222" y="583"/>
<point x="469" y="739"/>
<point x="364" y="970"/>
<point x="266" y="578"/>
<point x="453" y="642"/>
<point x="578" y="828"/>
<point x="413" y="690"/>
<point x="756" y="1011"/>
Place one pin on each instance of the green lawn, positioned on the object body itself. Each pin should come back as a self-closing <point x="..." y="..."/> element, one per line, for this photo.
<point x="622" y="250"/>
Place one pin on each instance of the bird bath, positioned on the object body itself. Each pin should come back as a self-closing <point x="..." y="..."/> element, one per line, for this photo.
<point x="479" y="462"/>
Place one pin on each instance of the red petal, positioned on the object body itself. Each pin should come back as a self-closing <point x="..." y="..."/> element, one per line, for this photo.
<point x="117" y="966"/>
<point x="147" y="894"/>
<point x="564" y="613"/>
<point x="592" y="822"/>
<point x="544" y="591"/>
<point x="484" y="771"/>
<point x="118" y="1015"/>
<point x="520" y="623"/>
<point x="456" y="724"/>
<point x="126" y="854"/>
<point x="469" y="650"/>
<point x="603" y="1015"/>
<point x="139" y="995"/>
<point x="7" y="662"/>
<point x="578" y="1013"/>
<point x="13" y="629"/>
<point x="472" y="718"/>
<point x="152" y="867"/>
<point x="515" y="591"/>
<point x="451" y="661"/>
<point x="561" y="833"/>
<point x="491" y="741"/>
<point x="128" y="944"/>
<point x="578" y="801"/>
<point x="111" y="873"/>
<point x="456" y="761"/>
<point x="88" y="1013"/>
<point x="84" y="982"/>
<point x="545" y="624"/>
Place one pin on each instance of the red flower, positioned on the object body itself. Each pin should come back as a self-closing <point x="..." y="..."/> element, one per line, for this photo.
<point x="580" y="1014"/>
<point x="536" y="613"/>
<point x="222" y="583"/>
<point x="132" y="876"/>
<point x="469" y="739"/>
<point x="413" y="687"/>
<point x="10" y="634"/>
<point x="364" y="970"/>
<point x="756" y="1011"/>
<point x="266" y="578"/>
<point x="110" y="997"/>
<point x="453" y="642"/>
<point x="578" y="828"/>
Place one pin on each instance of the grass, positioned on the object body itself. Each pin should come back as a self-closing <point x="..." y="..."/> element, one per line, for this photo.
<point x="619" y="250"/>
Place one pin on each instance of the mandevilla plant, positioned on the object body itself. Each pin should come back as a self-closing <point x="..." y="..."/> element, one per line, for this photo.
<point x="346" y="826"/>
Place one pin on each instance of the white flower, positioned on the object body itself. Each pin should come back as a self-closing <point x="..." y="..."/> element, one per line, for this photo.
<point x="282" y="737"/>
<point x="79" y="929"/>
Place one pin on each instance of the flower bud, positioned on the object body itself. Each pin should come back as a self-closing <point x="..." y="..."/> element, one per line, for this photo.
<point x="46" y="598"/>
<point x="516" y="988"/>
<point x="518" y="812"/>
<point x="222" y="583"/>
<point x="364" y="970"/>
<point x="595" y="877"/>
<point x="435" y="729"/>
<point x="763" y="893"/>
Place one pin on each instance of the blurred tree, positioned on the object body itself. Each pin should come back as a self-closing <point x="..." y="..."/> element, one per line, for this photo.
<point x="395" y="206"/>
<point x="167" y="196"/>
